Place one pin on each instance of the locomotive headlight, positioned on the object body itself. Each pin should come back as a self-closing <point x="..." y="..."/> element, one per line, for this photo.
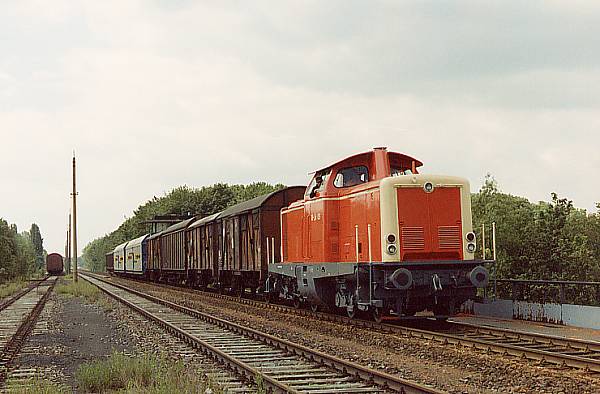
<point x="392" y="249"/>
<point x="428" y="187"/>
<point x="470" y="236"/>
<point x="391" y="238"/>
<point x="471" y="247"/>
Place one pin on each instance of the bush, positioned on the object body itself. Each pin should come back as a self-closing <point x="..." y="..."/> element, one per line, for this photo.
<point x="11" y="288"/>
<point x="147" y="374"/>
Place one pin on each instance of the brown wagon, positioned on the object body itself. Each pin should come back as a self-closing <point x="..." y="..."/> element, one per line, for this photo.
<point x="173" y="252"/>
<point x="251" y="238"/>
<point x="54" y="264"/>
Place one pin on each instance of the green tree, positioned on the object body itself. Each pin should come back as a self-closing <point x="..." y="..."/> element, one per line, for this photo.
<point x="38" y="244"/>
<point x="182" y="200"/>
<point x="17" y="253"/>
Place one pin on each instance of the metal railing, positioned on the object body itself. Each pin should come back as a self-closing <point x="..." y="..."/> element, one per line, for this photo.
<point x="549" y="291"/>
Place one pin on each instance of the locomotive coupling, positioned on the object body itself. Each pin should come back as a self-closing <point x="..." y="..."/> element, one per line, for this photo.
<point x="479" y="276"/>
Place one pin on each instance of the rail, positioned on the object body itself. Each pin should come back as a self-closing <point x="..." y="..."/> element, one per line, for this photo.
<point x="357" y="372"/>
<point x="556" y="351"/>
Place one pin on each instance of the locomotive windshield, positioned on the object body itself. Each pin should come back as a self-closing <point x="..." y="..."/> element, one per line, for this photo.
<point x="395" y="171"/>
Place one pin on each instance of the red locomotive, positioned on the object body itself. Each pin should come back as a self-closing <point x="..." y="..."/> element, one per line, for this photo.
<point x="369" y="234"/>
<point x="374" y="235"/>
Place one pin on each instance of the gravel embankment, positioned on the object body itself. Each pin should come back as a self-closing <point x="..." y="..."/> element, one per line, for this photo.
<point x="72" y="331"/>
<point x="445" y="367"/>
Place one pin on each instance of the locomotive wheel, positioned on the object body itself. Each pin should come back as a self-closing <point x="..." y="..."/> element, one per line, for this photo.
<point x="377" y="314"/>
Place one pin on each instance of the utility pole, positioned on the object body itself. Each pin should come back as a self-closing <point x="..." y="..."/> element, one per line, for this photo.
<point x="74" y="228"/>
<point x="69" y="246"/>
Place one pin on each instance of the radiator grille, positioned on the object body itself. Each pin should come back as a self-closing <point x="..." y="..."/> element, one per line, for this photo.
<point x="449" y="237"/>
<point x="413" y="238"/>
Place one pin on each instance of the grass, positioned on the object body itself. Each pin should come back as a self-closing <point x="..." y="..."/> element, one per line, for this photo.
<point x="79" y="289"/>
<point x="142" y="374"/>
<point x="10" y="288"/>
<point x="38" y="386"/>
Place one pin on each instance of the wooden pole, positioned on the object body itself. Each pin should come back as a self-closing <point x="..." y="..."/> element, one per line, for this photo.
<point x="69" y="247"/>
<point x="74" y="228"/>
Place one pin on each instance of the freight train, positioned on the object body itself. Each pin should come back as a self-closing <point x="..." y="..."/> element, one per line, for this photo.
<point x="370" y="235"/>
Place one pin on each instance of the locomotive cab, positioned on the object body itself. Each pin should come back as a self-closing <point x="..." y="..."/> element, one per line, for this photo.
<point x="372" y="234"/>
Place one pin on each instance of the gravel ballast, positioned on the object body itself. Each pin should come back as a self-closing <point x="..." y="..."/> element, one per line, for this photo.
<point x="445" y="367"/>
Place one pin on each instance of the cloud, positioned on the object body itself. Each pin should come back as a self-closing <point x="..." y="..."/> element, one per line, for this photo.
<point x="153" y="95"/>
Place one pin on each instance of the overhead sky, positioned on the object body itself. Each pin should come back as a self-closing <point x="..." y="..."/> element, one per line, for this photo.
<point x="156" y="94"/>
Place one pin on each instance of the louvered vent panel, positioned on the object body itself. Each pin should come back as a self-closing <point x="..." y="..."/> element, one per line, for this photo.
<point x="413" y="238"/>
<point x="449" y="237"/>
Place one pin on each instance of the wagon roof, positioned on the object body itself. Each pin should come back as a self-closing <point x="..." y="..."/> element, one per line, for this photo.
<point x="137" y="241"/>
<point x="120" y="247"/>
<point x="204" y="220"/>
<point x="254" y="203"/>
<point x="178" y="226"/>
<point x="155" y="235"/>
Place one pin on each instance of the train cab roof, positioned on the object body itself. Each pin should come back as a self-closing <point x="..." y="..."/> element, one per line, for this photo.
<point x="378" y="159"/>
<point x="359" y="171"/>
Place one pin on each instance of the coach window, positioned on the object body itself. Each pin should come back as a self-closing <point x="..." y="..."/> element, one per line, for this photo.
<point x="351" y="176"/>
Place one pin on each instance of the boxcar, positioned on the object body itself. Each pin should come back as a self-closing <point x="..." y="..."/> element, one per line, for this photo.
<point x="110" y="263"/>
<point x="203" y="251"/>
<point x="54" y="264"/>
<point x="153" y="264"/>
<point x="174" y="252"/>
<point x="119" y="258"/>
<point x="136" y="253"/>
<point x="251" y="238"/>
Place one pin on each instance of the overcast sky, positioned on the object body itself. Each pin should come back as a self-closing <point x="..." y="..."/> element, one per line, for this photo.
<point x="156" y="94"/>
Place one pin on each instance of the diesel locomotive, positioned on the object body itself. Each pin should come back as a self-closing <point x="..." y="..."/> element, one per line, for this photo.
<point x="369" y="235"/>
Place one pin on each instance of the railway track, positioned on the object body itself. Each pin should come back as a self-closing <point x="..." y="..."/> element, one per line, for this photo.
<point x="280" y="365"/>
<point x="18" y="316"/>
<point x="544" y="349"/>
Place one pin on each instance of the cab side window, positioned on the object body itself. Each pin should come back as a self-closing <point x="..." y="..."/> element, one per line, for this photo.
<point x="317" y="184"/>
<point x="351" y="176"/>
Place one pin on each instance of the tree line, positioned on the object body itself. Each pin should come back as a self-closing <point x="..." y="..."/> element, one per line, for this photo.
<point x="540" y="241"/>
<point x="182" y="200"/>
<point x="544" y="240"/>
<point x="21" y="254"/>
